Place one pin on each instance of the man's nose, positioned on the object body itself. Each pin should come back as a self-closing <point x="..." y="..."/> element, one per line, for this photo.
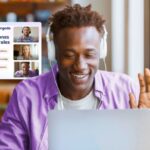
<point x="80" y="64"/>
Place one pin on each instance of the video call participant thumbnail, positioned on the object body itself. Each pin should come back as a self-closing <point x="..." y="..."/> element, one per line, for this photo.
<point x="26" y="53"/>
<point x="26" y="31"/>
<point x="25" y="71"/>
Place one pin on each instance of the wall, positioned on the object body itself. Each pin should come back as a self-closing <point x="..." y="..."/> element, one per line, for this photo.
<point x="147" y="33"/>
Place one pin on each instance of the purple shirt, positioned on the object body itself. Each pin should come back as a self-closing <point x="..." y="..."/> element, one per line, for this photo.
<point x="19" y="73"/>
<point x="24" y="125"/>
<point x="25" y="39"/>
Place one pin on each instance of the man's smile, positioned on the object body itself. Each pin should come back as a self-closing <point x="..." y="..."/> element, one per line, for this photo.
<point x="79" y="77"/>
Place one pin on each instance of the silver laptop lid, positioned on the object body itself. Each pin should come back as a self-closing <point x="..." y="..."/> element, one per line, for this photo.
<point x="99" y="130"/>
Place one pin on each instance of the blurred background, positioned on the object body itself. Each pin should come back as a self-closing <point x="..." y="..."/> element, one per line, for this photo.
<point x="127" y="23"/>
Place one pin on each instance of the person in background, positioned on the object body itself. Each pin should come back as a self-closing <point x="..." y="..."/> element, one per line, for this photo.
<point x="26" y="53"/>
<point x="25" y="71"/>
<point x="75" y="82"/>
<point x="26" y="31"/>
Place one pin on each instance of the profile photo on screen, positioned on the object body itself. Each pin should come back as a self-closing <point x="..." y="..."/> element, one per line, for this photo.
<point x="26" y="34"/>
<point x="26" y="52"/>
<point x="26" y="69"/>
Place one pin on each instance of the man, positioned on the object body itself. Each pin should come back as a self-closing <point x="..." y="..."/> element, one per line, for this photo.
<point x="76" y="83"/>
<point x="26" y="31"/>
<point x="25" y="71"/>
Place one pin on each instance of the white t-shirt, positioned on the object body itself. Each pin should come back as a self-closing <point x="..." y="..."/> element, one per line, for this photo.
<point x="88" y="102"/>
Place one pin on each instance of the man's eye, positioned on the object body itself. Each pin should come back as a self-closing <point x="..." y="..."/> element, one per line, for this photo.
<point x="90" y="55"/>
<point x="69" y="56"/>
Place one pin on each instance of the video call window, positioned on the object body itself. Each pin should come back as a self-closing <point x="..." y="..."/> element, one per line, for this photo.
<point x="26" y="52"/>
<point x="20" y="42"/>
<point x="26" y="69"/>
<point x="26" y="34"/>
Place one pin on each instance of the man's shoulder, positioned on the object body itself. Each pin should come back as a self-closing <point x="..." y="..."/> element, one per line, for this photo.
<point x="34" y="82"/>
<point x="44" y="83"/>
<point x="19" y="73"/>
<point x="19" y="39"/>
<point x="107" y="75"/>
<point x="117" y="86"/>
<point x="111" y="80"/>
<point x="32" y="73"/>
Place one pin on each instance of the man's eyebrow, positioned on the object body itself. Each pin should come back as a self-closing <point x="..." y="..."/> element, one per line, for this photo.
<point x="91" y="49"/>
<point x="88" y="49"/>
<point x="69" y="50"/>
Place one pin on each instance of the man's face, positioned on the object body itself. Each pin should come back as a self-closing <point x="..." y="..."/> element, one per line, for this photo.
<point x="26" y="50"/>
<point x="77" y="54"/>
<point x="26" y="31"/>
<point x="25" y="68"/>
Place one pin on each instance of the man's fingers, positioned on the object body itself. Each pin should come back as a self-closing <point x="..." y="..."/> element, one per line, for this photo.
<point x="147" y="79"/>
<point x="132" y="101"/>
<point x="142" y="83"/>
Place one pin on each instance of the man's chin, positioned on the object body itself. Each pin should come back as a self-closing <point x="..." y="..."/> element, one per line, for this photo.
<point x="25" y="74"/>
<point x="82" y="87"/>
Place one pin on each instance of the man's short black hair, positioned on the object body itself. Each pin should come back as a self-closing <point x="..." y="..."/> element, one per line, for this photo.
<point x="25" y="63"/>
<point x="76" y="16"/>
<point x="26" y="27"/>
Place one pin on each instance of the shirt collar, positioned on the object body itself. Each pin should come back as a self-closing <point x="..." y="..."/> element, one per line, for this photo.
<point x="99" y="83"/>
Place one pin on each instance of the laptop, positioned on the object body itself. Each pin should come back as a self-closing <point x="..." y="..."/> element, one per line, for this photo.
<point x="99" y="130"/>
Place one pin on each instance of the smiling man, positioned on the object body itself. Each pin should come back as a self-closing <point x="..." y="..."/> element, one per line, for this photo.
<point x="25" y="70"/>
<point x="78" y="58"/>
<point x="74" y="83"/>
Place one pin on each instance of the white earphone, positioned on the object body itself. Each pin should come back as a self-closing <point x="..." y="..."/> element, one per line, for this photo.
<point x="103" y="44"/>
<point x="51" y="46"/>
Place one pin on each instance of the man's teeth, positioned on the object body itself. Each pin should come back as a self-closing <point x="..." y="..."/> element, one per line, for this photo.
<point x="78" y="76"/>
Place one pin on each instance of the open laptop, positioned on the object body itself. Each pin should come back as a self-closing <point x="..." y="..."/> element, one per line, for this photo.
<point x="99" y="130"/>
